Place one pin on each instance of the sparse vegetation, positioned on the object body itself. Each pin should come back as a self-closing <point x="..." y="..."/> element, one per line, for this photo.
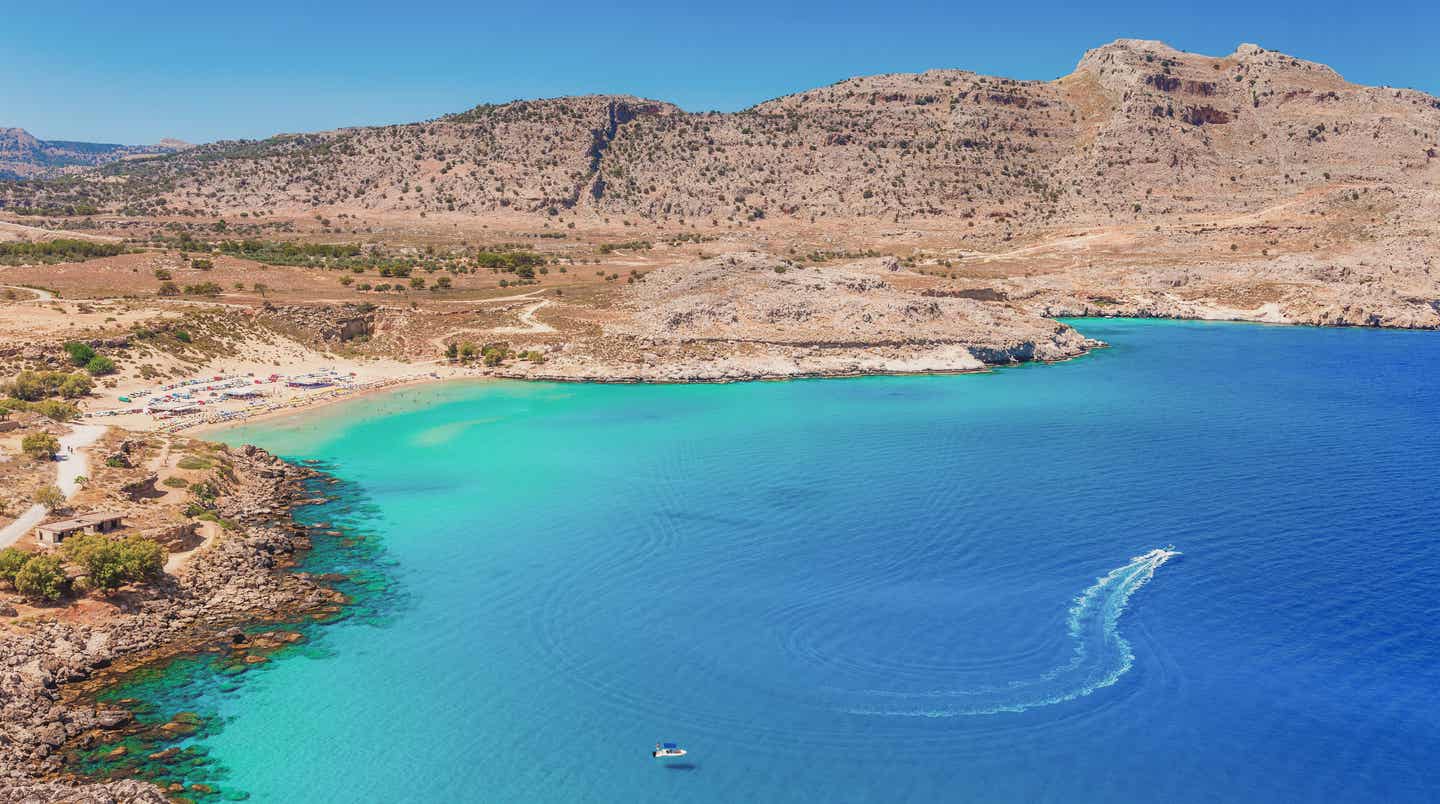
<point x="111" y="563"/>
<point x="41" y="577"/>
<point x="59" y="250"/>
<point x="32" y="386"/>
<point x="204" y="289"/>
<point x="40" y="446"/>
<point x="51" y="497"/>
<point x="100" y="365"/>
<point x="80" y="353"/>
<point x="629" y="245"/>
<point x="193" y="462"/>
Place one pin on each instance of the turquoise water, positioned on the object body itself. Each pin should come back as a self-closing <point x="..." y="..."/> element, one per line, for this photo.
<point x="1196" y="566"/>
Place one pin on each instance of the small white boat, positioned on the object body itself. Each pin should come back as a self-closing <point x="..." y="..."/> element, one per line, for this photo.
<point x="667" y="750"/>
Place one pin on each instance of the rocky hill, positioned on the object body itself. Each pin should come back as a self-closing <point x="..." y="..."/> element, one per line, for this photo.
<point x="22" y="156"/>
<point x="1148" y="181"/>
<point x="1138" y="131"/>
<point x="750" y="315"/>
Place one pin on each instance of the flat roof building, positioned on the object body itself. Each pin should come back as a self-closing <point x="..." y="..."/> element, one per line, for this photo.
<point x="51" y="534"/>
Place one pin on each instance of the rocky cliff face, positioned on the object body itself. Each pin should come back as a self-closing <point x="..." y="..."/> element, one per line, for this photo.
<point x="327" y="324"/>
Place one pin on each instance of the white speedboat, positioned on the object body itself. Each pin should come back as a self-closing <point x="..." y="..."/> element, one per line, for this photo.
<point x="667" y="750"/>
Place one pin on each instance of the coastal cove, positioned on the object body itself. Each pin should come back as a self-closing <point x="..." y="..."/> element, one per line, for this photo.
<point x="1194" y="566"/>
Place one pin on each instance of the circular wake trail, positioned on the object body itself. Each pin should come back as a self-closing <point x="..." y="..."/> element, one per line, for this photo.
<point x="1101" y="656"/>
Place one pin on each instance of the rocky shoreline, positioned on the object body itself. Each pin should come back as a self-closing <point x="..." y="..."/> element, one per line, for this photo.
<point x="48" y="670"/>
<point x="748" y="362"/>
<point x="749" y="315"/>
<point x="1409" y="315"/>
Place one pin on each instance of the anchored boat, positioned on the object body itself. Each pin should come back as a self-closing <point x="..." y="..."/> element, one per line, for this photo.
<point x="665" y="750"/>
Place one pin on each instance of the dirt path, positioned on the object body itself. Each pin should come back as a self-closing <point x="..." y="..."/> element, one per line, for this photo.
<point x="177" y="561"/>
<point x="74" y="463"/>
<point x="37" y="233"/>
<point x="532" y="326"/>
<point x="161" y="461"/>
<point x="1075" y="245"/>
<point x="527" y="318"/>
<point x="41" y="295"/>
<point x="1264" y="214"/>
<point x="440" y="341"/>
<point x="521" y="297"/>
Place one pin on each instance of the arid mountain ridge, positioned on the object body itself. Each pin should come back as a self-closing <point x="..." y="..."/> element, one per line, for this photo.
<point x="24" y="156"/>
<point x="906" y="223"/>
<point x="1138" y="131"/>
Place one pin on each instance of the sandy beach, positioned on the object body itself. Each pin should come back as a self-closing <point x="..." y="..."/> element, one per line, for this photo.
<point x="267" y="380"/>
<point x="300" y="403"/>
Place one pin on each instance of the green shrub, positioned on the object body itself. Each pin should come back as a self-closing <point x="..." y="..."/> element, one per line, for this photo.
<point x="58" y="250"/>
<point x="508" y="261"/>
<point x="203" y="289"/>
<point x="32" y="386"/>
<point x="194" y="462"/>
<point x="50" y="496"/>
<point x="11" y="560"/>
<point x="629" y="245"/>
<point x="56" y="410"/>
<point x="100" y="365"/>
<point x="80" y="353"/>
<point x="112" y="563"/>
<point x="40" y="446"/>
<point x="77" y="385"/>
<point x="41" y="577"/>
<point x="175" y="482"/>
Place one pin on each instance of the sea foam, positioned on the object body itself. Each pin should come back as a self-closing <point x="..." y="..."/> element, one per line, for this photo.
<point x="1101" y="656"/>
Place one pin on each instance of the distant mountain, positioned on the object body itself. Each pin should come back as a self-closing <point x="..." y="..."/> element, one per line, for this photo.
<point x="1139" y="132"/>
<point x="1148" y="181"/>
<point x="23" y="156"/>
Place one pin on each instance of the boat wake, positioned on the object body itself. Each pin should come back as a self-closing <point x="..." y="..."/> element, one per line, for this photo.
<point x="1100" y="658"/>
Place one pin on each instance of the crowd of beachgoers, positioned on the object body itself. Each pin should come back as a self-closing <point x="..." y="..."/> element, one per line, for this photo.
<point x="266" y="405"/>
<point x="225" y="398"/>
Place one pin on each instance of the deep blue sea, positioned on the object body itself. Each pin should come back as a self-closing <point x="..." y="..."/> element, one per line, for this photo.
<point x="1198" y="566"/>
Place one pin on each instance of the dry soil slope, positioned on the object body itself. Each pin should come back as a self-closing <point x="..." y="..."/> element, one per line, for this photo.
<point x="750" y="315"/>
<point x="1139" y="131"/>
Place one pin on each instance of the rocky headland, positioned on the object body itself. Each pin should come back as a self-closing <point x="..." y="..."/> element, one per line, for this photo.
<point x="751" y="315"/>
<point x="49" y="666"/>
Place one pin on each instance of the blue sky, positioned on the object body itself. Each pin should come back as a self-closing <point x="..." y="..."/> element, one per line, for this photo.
<point x="138" y="71"/>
